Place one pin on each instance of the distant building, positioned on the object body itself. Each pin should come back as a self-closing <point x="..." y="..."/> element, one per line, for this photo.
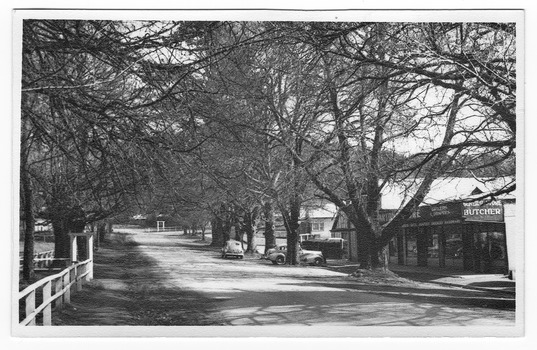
<point x="319" y="219"/>
<point x="316" y="221"/>
<point x="42" y="225"/>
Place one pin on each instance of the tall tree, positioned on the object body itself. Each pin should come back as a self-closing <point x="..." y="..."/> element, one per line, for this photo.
<point x="84" y="94"/>
<point x="383" y="121"/>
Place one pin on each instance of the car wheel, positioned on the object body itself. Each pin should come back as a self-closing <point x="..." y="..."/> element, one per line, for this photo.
<point x="280" y="260"/>
<point x="318" y="262"/>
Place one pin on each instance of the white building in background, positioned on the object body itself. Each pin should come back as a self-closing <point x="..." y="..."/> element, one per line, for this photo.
<point x="43" y="225"/>
<point x="319" y="219"/>
<point x="316" y="221"/>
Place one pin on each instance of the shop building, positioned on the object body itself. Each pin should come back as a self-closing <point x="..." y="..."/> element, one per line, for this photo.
<point x="461" y="235"/>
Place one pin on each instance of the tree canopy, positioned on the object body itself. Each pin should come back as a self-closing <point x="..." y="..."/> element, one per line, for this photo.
<point x="199" y="116"/>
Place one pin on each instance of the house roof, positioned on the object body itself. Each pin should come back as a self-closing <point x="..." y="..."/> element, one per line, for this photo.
<point x="443" y="190"/>
<point x="319" y="210"/>
<point x="327" y="211"/>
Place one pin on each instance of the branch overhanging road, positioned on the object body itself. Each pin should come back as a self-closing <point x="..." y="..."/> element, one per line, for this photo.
<point x="170" y="279"/>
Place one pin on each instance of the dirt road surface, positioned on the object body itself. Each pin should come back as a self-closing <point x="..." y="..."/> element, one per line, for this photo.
<point x="170" y="279"/>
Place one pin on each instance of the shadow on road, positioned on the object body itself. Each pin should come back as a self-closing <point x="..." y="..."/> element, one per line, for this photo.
<point x="420" y="294"/>
<point x="333" y="308"/>
<point x="128" y="289"/>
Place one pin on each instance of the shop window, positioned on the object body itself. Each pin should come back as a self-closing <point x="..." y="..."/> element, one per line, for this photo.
<point x="496" y="246"/>
<point x="411" y="245"/>
<point x="489" y="250"/>
<point x="454" y="246"/>
<point x="432" y="246"/>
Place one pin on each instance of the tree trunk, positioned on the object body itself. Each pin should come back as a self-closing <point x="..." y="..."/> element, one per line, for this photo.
<point x="381" y="259"/>
<point x="226" y="231"/>
<point x="203" y="228"/>
<point x="370" y="254"/>
<point x="291" y="225"/>
<point x="270" y="240"/>
<point x="63" y="222"/>
<point x="217" y="232"/>
<point x="249" y="230"/>
<point x="238" y="229"/>
<point x="28" y="254"/>
<point x="227" y="224"/>
<point x="364" y="250"/>
<point x="61" y="238"/>
<point x="101" y="231"/>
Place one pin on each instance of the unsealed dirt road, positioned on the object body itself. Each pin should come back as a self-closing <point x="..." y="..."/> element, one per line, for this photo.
<point x="170" y="279"/>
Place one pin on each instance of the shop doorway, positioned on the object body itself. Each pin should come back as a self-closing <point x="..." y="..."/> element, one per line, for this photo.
<point x="489" y="252"/>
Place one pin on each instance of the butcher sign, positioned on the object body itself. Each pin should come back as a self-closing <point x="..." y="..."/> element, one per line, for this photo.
<point x="483" y="211"/>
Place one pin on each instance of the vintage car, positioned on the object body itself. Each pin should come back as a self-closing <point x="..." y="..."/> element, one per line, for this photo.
<point x="278" y="256"/>
<point x="232" y="248"/>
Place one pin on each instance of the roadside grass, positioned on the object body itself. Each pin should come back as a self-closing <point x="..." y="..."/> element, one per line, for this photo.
<point x="39" y="247"/>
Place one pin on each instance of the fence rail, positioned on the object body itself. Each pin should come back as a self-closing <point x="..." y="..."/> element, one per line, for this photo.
<point x="41" y="259"/>
<point x="164" y="229"/>
<point x="62" y="284"/>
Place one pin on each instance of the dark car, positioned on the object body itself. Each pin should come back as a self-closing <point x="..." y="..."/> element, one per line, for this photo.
<point x="278" y="256"/>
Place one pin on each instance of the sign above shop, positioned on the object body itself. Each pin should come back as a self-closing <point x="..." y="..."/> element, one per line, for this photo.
<point x="483" y="211"/>
<point x="438" y="212"/>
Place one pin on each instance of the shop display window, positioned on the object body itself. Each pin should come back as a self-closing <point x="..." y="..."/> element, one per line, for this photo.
<point x="432" y="246"/>
<point x="454" y="246"/>
<point x="496" y="246"/>
<point x="489" y="254"/>
<point x="411" y="245"/>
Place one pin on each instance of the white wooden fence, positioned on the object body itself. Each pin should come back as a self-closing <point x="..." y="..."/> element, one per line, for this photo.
<point x="164" y="229"/>
<point x="62" y="285"/>
<point x="41" y="259"/>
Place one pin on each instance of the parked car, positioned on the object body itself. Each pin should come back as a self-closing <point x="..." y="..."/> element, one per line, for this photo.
<point x="232" y="248"/>
<point x="278" y="255"/>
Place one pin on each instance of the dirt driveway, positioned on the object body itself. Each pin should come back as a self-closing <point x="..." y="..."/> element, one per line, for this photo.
<point x="169" y="279"/>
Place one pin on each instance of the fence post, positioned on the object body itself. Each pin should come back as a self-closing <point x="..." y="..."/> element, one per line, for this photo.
<point x="30" y="306"/>
<point x="73" y="245"/>
<point x="66" y="281"/>
<point x="89" y="253"/>
<point x="47" y="312"/>
<point x="79" y="270"/>
<point x="58" y="286"/>
<point x="49" y="259"/>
